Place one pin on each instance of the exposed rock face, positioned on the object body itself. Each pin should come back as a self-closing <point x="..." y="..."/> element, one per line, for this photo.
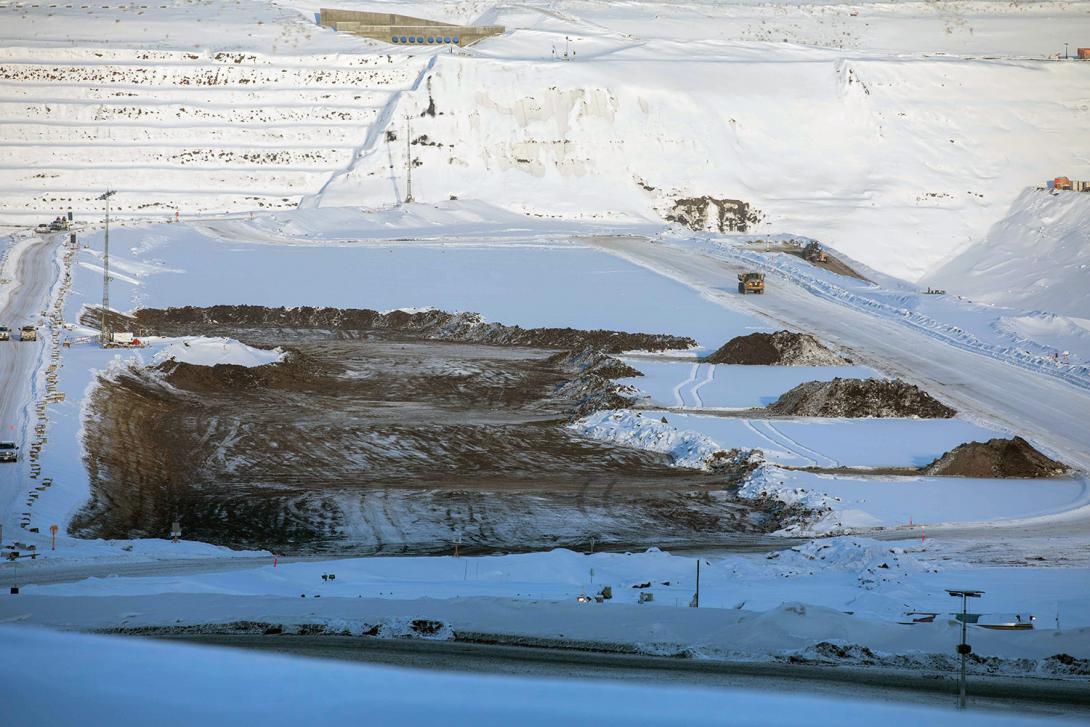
<point x="709" y="214"/>
<point x="782" y="348"/>
<point x="996" y="458"/>
<point x="860" y="398"/>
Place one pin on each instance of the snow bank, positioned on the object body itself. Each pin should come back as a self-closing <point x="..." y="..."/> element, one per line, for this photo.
<point x="631" y="429"/>
<point x="872" y="562"/>
<point x="205" y="351"/>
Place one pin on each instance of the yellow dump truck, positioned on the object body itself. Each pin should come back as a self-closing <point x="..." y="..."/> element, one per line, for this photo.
<point x="751" y="283"/>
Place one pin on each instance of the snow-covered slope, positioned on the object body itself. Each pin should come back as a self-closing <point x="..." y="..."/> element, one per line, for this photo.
<point x="1036" y="258"/>
<point x="895" y="161"/>
<point x="844" y="122"/>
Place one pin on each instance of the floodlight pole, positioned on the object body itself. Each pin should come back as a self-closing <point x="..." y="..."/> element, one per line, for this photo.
<point x="408" y="160"/>
<point x="963" y="648"/>
<point x="104" y="327"/>
<point x="964" y="656"/>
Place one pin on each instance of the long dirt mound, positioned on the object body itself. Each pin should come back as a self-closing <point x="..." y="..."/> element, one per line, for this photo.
<point x="782" y="348"/>
<point x="860" y="398"/>
<point x="435" y="325"/>
<point x="996" y="458"/>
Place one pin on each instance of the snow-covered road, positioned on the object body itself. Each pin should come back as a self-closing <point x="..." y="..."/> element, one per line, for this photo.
<point x="27" y="297"/>
<point x="1048" y="412"/>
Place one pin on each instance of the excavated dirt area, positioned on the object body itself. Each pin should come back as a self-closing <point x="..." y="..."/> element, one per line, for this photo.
<point x="782" y="348"/>
<point x="400" y="432"/>
<point x="859" y="398"/>
<point x="996" y="458"/>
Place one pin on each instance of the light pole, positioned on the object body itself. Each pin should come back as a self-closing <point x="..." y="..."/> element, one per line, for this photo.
<point x="963" y="648"/>
<point x="1066" y="56"/>
<point x="104" y="328"/>
<point x="409" y="156"/>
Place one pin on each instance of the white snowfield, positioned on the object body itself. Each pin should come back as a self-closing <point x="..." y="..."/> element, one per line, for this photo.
<point x="114" y="681"/>
<point x="1037" y="257"/>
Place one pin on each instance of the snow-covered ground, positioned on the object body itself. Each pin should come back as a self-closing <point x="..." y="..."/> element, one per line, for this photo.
<point x="902" y="135"/>
<point x="110" y="681"/>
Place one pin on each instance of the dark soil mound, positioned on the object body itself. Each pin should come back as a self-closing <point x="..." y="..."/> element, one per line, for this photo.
<point x="296" y="371"/>
<point x="430" y="324"/>
<point x="996" y="458"/>
<point x="782" y="348"/>
<point x="860" y="398"/>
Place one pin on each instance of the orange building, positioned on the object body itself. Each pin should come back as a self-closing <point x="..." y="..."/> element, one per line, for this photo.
<point x="1083" y="53"/>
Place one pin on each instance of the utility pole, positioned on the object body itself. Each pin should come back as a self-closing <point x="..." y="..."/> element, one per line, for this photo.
<point x="104" y="327"/>
<point x="408" y="160"/>
<point x="963" y="648"/>
<point x="695" y="603"/>
<point x="1066" y="56"/>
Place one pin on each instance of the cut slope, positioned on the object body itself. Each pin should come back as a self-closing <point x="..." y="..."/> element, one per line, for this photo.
<point x="194" y="132"/>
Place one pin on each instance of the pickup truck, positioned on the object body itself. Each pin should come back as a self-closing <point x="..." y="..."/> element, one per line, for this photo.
<point x="5" y="334"/>
<point x="9" y="451"/>
<point x="28" y="333"/>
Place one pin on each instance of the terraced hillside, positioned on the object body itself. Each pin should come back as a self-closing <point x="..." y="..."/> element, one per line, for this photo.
<point x="188" y="132"/>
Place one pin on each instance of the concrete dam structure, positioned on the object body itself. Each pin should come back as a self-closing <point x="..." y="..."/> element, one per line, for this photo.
<point x="403" y="29"/>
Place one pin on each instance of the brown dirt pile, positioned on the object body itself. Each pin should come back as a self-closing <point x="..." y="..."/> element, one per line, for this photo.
<point x="860" y="398"/>
<point x="996" y="458"/>
<point x="433" y="325"/>
<point x="782" y="348"/>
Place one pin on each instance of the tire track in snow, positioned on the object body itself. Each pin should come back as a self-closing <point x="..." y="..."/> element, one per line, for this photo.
<point x="678" y="401"/>
<point x="707" y="380"/>
<point x="779" y="445"/>
<point x="799" y="447"/>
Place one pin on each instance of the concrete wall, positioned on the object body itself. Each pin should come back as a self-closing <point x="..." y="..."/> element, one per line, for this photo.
<point x="387" y="26"/>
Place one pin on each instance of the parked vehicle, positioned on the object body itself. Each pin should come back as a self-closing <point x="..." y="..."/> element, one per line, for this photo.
<point x="28" y="333"/>
<point x="5" y="334"/>
<point x="9" y="451"/>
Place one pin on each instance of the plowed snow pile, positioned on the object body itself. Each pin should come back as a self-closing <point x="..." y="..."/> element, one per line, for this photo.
<point x="996" y="458"/>
<point x="203" y="351"/>
<point x="782" y="348"/>
<point x="860" y="398"/>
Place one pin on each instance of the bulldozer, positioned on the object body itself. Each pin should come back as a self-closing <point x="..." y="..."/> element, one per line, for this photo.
<point x="814" y="253"/>
<point x="751" y="283"/>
